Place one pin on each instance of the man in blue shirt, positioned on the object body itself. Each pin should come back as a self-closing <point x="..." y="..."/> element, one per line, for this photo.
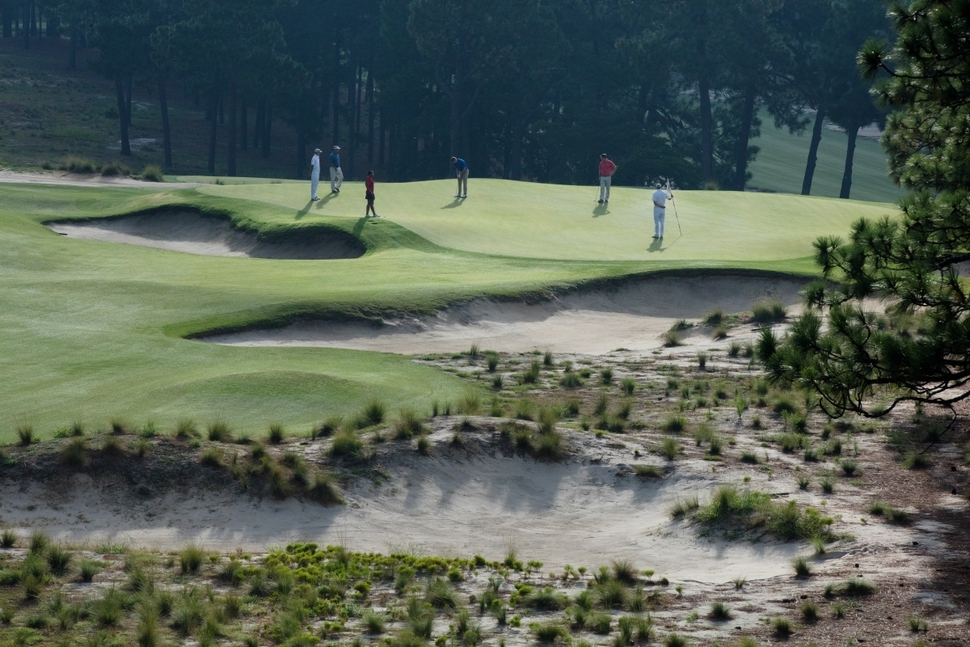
<point x="336" y="175"/>
<point x="461" y="171"/>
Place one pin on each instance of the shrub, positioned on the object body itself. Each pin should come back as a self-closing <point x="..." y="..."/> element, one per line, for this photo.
<point x="153" y="173"/>
<point x="219" y="432"/>
<point x="77" y="164"/>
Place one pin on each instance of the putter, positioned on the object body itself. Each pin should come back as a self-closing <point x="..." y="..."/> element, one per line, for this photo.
<point x="675" y="207"/>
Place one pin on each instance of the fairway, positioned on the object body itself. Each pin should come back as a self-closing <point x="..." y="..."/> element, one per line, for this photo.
<point x="90" y="330"/>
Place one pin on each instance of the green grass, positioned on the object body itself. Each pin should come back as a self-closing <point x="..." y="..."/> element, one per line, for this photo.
<point x="780" y="164"/>
<point x="95" y="329"/>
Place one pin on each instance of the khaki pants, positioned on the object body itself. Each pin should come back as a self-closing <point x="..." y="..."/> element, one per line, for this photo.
<point x="605" y="182"/>
<point x="336" y="178"/>
<point x="463" y="182"/>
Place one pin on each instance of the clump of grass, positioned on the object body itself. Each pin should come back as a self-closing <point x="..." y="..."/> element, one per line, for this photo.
<point x="114" y="169"/>
<point x="492" y="358"/>
<point x="682" y="507"/>
<point x="629" y="385"/>
<point x="211" y="457"/>
<point x="720" y="611"/>
<point x="702" y="361"/>
<point x="749" y="457"/>
<point x="474" y="352"/>
<point x="423" y="445"/>
<point x="470" y="403"/>
<point x="88" y="569"/>
<point x="78" y="164"/>
<point x="675" y="640"/>
<point x="549" y="632"/>
<point x="190" y="559"/>
<point x="407" y="425"/>
<point x="856" y="587"/>
<point x="374" y="622"/>
<point x="849" y="468"/>
<point x="648" y="471"/>
<point x="324" y="489"/>
<point x="766" y="312"/>
<point x="8" y="539"/>
<point x="802" y="567"/>
<point x="674" y="424"/>
<point x="329" y="427"/>
<point x="714" y="317"/>
<point x="781" y="627"/>
<point x="58" y="559"/>
<point x="531" y="376"/>
<point x="809" y="612"/>
<point x="75" y="453"/>
<point x="916" y="461"/>
<point x="153" y="173"/>
<point x="734" y="348"/>
<point x="186" y="428"/>
<point x="671" y="338"/>
<point x="275" y="434"/>
<point x="828" y="485"/>
<point x="39" y="543"/>
<point x="524" y="409"/>
<point x="219" y="432"/>
<point x="348" y="445"/>
<point x="372" y="414"/>
<point x="790" y="442"/>
<point x="669" y="447"/>
<point x="26" y="435"/>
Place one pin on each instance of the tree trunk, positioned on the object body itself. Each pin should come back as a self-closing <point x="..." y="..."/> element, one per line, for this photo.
<point x="122" y="115"/>
<point x="707" y="126"/>
<point x="515" y="154"/>
<point x="7" y="22"/>
<point x="813" y="152"/>
<point x="267" y="130"/>
<point x="336" y="89"/>
<point x="166" y="128"/>
<point x="258" y="129"/>
<point x="853" y="133"/>
<point x="353" y="98"/>
<point x="301" y="157"/>
<point x="454" y="145"/>
<point x="370" y="112"/>
<point x="744" y="137"/>
<point x="233" y="114"/>
<point x="53" y="26"/>
<point x="25" y="28"/>
<point x="72" y="52"/>
<point x="128" y="83"/>
<point x="213" y="131"/>
<point x="33" y="18"/>
<point x="243" y="125"/>
<point x="382" y="129"/>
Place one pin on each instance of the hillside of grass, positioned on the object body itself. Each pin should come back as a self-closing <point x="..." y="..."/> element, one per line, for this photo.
<point x="91" y="330"/>
<point x="780" y="165"/>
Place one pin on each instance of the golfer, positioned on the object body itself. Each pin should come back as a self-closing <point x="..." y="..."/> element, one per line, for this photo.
<point x="461" y="172"/>
<point x="315" y="174"/>
<point x="660" y="198"/>
<point x="607" y="169"/>
<point x="336" y="175"/>
<point x="369" y="194"/>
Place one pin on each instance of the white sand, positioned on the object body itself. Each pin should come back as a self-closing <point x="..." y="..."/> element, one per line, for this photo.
<point x="77" y="179"/>
<point x="186" y="231"/>
<point x="633" y="315"/>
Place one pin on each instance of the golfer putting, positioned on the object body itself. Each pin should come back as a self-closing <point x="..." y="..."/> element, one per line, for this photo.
<point x="660" y="198"/>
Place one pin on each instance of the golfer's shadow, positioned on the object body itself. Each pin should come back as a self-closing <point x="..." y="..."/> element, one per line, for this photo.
<point x="657" y="245"/>
<point x="456" y="203"/>
<point x="322" y="201"/>
<point x="600" y="210"/>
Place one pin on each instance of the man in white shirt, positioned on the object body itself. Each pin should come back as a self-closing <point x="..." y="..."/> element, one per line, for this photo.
<point x="660" y="198"/>
<point x="315" y="174"/>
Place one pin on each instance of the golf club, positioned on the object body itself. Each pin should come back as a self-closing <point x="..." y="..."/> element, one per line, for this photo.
<point x="675" y="207"/>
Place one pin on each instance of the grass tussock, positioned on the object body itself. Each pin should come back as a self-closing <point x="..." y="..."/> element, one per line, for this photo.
<point x="756" y="509"/>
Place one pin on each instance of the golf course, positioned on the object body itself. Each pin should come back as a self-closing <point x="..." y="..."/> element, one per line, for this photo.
<point x="95" y="330"/>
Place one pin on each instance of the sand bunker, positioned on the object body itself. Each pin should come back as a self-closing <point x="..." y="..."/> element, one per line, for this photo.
<point x="187" y="231"/>
<point x="457" y="501"/>
<point x="634" y="315"/>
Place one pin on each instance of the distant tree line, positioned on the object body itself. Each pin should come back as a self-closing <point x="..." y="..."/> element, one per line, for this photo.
<point x="522" y="89"/>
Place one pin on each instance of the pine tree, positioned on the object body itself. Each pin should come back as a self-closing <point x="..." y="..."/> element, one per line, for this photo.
<point x="918" y="347"/>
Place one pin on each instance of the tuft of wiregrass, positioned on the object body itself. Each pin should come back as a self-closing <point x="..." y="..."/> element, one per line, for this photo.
<point x="153" y="173"/>
<point x="407" y="425"/>
<point x="767" y="312"/>
<point x="191" y="559"/>
<point x="674" y="424"/>
<point x="74" y="453"/>
<point x="916" y="461"/>
<point x="670" y="448"/>
<point x="348" y="445"/>
<point x="720" y="611"/>
<point x="324" y="489"/>
<point x="784" y="520"/>
<point x="801" y="566"/>
<point x="275" y="434"/>
<point x="26" y="435"/>
<point x="683" y="507"/>
<point x="648" y="471"/>
<point x="219" y="432"/>
<point x="549" y="632"/>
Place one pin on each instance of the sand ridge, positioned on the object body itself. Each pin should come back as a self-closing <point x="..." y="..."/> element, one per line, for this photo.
<point x="189" y="232"/>
<point x="633" y="315"/>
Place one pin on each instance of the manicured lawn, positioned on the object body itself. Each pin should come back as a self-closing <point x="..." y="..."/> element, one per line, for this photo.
<point x="91" y="330"/>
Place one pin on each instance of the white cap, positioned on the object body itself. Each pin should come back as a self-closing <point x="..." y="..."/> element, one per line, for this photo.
<point x="336" y="148"/>
<point x="317" y="150"/>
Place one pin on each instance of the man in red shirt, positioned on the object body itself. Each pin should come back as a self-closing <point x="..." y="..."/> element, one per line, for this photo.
<point x="369" y="194"/>
<point x="607" y="169"/>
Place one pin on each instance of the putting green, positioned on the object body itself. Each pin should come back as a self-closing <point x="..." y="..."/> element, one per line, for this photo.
<point x="504" y="218"/>
<point x="91" y="330"/>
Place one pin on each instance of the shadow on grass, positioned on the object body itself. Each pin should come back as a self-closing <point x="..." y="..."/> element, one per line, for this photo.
<point x="319" y="204"/>
<point x="359" y="226"/>
<point x="656" y="245"/>
<point x="455" y="203"/>
<point x="600" y="210"/>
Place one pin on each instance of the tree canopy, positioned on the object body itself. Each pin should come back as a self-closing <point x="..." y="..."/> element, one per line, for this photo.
<point x="915" y="345"/>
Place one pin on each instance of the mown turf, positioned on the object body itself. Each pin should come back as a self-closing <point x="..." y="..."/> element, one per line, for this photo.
<point x="90" y="330"/>
<point x="548" y="221"/>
